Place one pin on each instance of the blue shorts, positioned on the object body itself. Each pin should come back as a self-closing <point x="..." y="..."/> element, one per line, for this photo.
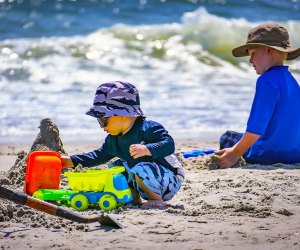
<point x="157" y="178"/>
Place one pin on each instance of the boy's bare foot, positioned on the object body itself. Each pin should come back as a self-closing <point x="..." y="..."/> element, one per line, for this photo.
<point x="159" y="204"/>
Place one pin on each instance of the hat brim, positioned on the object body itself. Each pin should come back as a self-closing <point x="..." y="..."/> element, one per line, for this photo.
<point x="241" y="51"/>
<point x="106" y="111"/>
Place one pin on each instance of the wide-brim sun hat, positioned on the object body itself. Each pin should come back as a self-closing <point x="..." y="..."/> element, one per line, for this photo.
<point x="268" y="35"/>
<point x="116" y="99"/>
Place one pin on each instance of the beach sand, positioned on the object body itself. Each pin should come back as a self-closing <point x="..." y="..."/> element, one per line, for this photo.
<point x="248" y="207"/>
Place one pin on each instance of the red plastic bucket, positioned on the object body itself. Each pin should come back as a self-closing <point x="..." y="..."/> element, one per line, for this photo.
<point x="43" y="171"/>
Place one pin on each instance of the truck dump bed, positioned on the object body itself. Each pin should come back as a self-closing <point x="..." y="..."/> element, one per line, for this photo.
<point x="91" y="180"/>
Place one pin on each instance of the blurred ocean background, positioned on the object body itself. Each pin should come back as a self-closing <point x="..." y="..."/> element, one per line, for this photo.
<point x="53" y="55"/>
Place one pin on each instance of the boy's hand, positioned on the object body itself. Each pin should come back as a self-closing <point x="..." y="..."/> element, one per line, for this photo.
<point x="66" y="162"/>
<point x="139" y="150"/>
<point x="228" y="157"/>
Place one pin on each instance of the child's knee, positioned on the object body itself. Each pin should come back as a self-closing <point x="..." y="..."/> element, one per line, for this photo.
<point x="224" y="139"/>
<point x="229" y="139"/>
<point x="225" y="135"/>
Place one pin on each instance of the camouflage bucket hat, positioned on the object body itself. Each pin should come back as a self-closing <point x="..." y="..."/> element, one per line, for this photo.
<point x="116" y="99"/>
<point x="270" y="35"/>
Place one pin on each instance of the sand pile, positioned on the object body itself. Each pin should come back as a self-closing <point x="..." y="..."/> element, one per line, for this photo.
<point x="47" y="140"/>
<point x="205" y="162"/>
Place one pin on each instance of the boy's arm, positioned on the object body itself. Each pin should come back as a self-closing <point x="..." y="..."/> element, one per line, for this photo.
<point x="90" y="159"/>
<point x="158" y="143"/>
<point x="230" y="156"/>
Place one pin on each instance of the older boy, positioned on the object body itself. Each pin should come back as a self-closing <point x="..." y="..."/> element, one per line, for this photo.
<point x="273" y="129"/>
<point x="145" y="148"/>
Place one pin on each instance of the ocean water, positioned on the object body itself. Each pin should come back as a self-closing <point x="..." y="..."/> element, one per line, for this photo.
<point x="53" y="55"/>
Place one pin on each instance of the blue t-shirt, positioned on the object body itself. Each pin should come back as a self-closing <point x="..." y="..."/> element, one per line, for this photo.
<point x="150" y="133"/>
<point x="275" y="116"/>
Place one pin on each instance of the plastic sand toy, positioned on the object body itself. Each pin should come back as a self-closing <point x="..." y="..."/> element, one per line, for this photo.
<point x="197" y="152"/>
<point x="43" y="171"/>
<point x="106" y="187"/>
<point x="62" y="196"/>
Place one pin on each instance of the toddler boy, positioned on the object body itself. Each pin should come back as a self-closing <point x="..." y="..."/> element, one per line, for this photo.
<point x="144" y="147"/>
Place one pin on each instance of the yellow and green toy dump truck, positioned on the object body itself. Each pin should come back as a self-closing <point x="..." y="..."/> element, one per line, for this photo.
<point x="108" y="188"/>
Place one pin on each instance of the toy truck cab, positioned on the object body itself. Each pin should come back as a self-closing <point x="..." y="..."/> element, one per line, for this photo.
<point x="106" y="187"/>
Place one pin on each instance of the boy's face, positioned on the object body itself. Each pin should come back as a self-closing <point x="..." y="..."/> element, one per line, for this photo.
<point x="117" y="125"/>
<point x="261" y="59"/>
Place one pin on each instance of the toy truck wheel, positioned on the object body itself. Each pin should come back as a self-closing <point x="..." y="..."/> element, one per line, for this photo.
<point x="107" y="202"/>
<point x="80" y="202"/>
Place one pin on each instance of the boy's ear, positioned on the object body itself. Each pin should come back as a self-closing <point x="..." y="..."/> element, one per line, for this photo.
<point x="270" y="51"/>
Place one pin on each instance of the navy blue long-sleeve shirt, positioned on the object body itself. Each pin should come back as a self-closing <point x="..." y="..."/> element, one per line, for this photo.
<point x="150" y="133"/>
